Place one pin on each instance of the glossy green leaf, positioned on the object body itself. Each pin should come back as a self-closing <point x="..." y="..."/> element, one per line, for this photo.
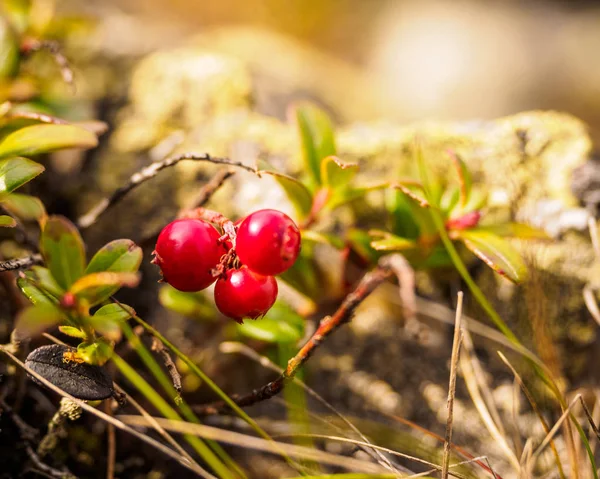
<point x="496" y="253"/>
<point x="92" y="287"/>
<point x="72" y="331"/>
<point x="63" y="250"/>
<point x="37" y="318"/>
<point x="107" y="320"/>
<point x="39" y="286"/>
<point x="514" y="230"/>
<point x="280" y="325"/>
<point x="402" y="220"/>
<point x="96" y="353"/>
<point x="15" y="172"/>
<point x="44" y="138"/>
<point x="418" y="206"/>
<point x="193" y="305"/>
<point x="25" y="207"/>
<point x="336" y="174"/>
<point x="383" y="241"/>
<point x="297" y="193"/>
<point x="119" y="256"/>
<point x="360" y="241"/>
<point x="464" y="179"/>
<point x="317" y="138"/>
<point x="7" y="221"/>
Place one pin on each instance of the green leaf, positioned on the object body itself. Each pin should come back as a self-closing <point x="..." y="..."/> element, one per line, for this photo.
<point x="514" y="230"/>
<point x="44" y="138"/>
<point x="280" y="325"/>
<point x="15" y="172"/>
<point x="72" y="331"/>
<point x="91" y="287"/>
<point x="25" y="207"/>
<point x="119" y="256"/>
<point x="303" y="275"/>
<point x="496" y="253"/>
<point x="336" y="174"/>
<point x="360" y="242"/>
<point x="63" y="250"/>
<point x="464" y="179"/>
<point x="317" y="138"/>
<point x="96" y="353"/>
<point x="343" y="196"/>
<point x="39" y="286"/>
<point x="418" y="206"/>
<point x="193" y="305"/>
<point x="298" y="194"/>
<point x="390" y="242"/>
<point x="7" y="221"/>
<point x="107" y="319"/>
<point x="37" y="318"/>
<point x="402" y="220"/>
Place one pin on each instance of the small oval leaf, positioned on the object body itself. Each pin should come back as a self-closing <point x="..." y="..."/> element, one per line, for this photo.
<point x="15" y="172"/>
<point x="515" y="230"/>
<point x="316" y="136"/>
<point x="114" y="312"/>
<point x="37" y="318"/>
<point x="496" y="253"/>
<point x="119" y="256"/>
<point x="390" y="242"/>
<point x="44" y="138"/>
<point x="81" y="380"/>
<point x="72" y="331"/>
<point x="91" y="286"/>
<point x="7" y="221"/>
<point x="298" y="194"/>
<point x="25" y="207"/>
<point x="337" y="174"/>
<point x="280" y="325"/>
<point x="95" y="353"/>
<point x="63" y="250"/>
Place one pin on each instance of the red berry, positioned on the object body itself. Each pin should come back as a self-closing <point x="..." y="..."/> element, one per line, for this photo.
<point x="186" y="251"/>
<point x="242" y="293"/>
<point x="268" y="242"/>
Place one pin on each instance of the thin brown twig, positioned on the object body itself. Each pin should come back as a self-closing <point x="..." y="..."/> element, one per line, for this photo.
<point x="146" y="174"/>
<point x="55" y="49"/>
<point x="452" y="386"/>
<point x="158" y="347"/>
<point x="328" y="325"/>
<point x="111" y="446"/>
<point x="20" y="263"/>
<point x="45" y="468"/>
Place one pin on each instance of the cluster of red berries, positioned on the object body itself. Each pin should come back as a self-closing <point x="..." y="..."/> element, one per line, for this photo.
<point x="192" y="254"/>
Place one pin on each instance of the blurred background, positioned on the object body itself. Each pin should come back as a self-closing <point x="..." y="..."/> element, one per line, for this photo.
<point x="429" y="59"/>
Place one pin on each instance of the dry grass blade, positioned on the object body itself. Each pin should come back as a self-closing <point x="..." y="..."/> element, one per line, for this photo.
<point x="473" y="387"/>
<point x="590" y="417"/>
<point x="535" y="407"/>
<point x="109" y="419"/>
<point x="553" y="431"/>
<point x="130" y="400"/>
<point x="256" y="443"/>
<point x="234" y="347"/>
<point x="593" y="227"/>
<point x="452" y="385"/>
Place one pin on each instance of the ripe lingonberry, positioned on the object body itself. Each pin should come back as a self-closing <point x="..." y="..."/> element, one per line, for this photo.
<point x="268" y="242"/>
<point x="187" y="250"/>
<point x="242" y="293"/>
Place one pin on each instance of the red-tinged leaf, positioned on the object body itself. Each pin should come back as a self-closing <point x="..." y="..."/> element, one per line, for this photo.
<point x="316" y="136"/>
<point x="464" y="222"/>
<point x="7" y="221"/>
<point x="418" y="198"/>
<point x="91" y="286"/>
<point x="336" y="174"/>
<point x="24" y="206"/>
<point x="464" y="178"/>
<point x="298" y="194"/>
<point x="515" y="230"/>
<point x="37" y="318"/>
<point x="496" y="253"/>
<point x="15" y="172"/>
<point x="44" y="138"/>
<point x="63" y="250"/>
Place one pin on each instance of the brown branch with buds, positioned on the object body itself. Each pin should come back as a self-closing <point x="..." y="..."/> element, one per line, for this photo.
<point x="327" y="326"/>
<point x="146" y="174"/>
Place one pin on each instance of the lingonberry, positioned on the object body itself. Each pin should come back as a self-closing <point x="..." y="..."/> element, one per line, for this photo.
<point x="187" y="250"/>
<point x="242" y="293"/>
<point x="268" y="242"/>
